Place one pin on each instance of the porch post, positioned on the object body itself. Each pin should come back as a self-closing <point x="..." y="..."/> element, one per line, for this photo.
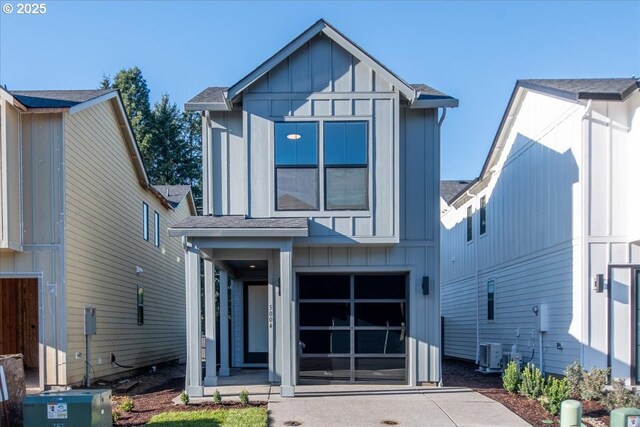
<point x="287" y="387"/>
<point x="224" y="324"/>
<point x="210" y="378"/>
<point x="193" y="382"/>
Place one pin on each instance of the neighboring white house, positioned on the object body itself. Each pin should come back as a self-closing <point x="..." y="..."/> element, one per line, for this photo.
<point x="321" y="200"/>
<point x="82" y="228"/>
<point x="543" y="249"/>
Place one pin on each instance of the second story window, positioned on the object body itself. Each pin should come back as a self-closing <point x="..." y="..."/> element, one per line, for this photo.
<point x="145" y="221"/>
<point x="345" y="161"/>
<point x="469" y="223"/>
<point x="156" y="228"/>
<point x="296" y="161"/>
<point x="483" y="214"/>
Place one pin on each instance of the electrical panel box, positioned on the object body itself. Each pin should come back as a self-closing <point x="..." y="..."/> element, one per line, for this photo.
<point x="71" y="408"/>
<point x="89" y="320"/>
<point x="543" y="318"/>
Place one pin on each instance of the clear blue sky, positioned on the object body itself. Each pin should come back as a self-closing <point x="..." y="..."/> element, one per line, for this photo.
<point x="474" y="51"/>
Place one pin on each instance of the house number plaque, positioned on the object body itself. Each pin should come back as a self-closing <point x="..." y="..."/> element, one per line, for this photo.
<point x="270" y="315"/>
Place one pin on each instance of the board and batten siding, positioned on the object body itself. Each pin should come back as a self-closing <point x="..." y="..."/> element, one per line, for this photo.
<point x="42" y="216"/>
<point x="104" y="244"/>
<point x="319" y="82"/>
<point x="529" y="248"/>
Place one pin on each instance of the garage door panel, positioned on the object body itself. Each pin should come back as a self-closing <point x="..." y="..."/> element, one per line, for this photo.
<point x="380" y="314"/>
<point x="381" y="342"/>
<point x="326" y="342"/>
<point x="324" y="314"/>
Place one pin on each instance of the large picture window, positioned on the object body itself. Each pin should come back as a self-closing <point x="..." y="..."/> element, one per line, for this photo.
<point x="296" y="158"/>
<point x="345" y="160"/>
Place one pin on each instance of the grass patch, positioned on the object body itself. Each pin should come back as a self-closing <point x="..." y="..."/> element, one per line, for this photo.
<point x="245" y="417"/>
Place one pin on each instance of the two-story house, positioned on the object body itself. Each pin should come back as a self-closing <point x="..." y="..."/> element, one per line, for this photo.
<point x="542" y="251"/>
<point x="321" y="208"/>
<point x="83" y="241"/>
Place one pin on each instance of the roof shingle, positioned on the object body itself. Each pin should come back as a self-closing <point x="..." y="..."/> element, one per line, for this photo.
<point x="615" y="89"/>
<point x="56" y="98"/>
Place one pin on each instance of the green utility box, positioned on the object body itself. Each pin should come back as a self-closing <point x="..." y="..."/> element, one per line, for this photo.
<point x="625" y="417"/>
<point x="71" y="408"/>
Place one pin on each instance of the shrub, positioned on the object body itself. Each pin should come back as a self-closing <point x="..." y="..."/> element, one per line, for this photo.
<point x="593" y="384"/>
<point x="532" y="384"/>
<point x="127" y="404"/>
<point x="115" y="416"/>
<point x="244" y="396"/>
<point x="574" y="375"/>
<point x="217" y="397"/>
<point x="511" y="377"/>
<point x="184" y="397"/>
<point x="621" y="396"/>
<point x="555" y="391"/>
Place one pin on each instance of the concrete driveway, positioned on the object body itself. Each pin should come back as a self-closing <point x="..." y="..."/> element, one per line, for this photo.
<point x="356" y="406"/>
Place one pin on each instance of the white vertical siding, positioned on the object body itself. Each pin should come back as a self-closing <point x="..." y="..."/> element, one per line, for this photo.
<point x="10" y="177"/>
<point x="104" y="244"/>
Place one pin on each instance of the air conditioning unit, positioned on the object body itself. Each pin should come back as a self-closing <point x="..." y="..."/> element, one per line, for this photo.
<point x="490" y="357"/>
<point x="508" y="357"/>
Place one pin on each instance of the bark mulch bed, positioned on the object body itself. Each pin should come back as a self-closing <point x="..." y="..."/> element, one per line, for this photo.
<point x="457" y="373"/>
<point x="158" y="399"/>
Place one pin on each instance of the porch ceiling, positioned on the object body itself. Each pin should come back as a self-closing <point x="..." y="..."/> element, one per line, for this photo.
<point x="240" y="226"/>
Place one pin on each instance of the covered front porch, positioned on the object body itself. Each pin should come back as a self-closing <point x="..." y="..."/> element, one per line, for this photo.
<point x="249" y="303"/>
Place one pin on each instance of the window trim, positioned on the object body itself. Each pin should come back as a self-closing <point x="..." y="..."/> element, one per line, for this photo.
<point x="145" y="221"/>
<point x="156" y="228"/>
<point x="321" y="120"/>
<point x="491" y="299"/>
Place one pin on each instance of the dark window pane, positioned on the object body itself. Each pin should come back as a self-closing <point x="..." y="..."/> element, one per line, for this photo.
<point x="297" y="189"/>
<point x="380" y="287"/>
<point x="380" y="314"/>
<point x="325" y="369"/>
<point x="345" y="143"/>
<point x="324" y="287"/>
<point x="325" y="342"/>
<point x="346" y="188"/>
<point x="382" y="341"/>
<point x="490" y="300"/>
<point x="469" y="224"/>
<point x="324" y="314"/>
<point x="483" y="215"/>
<point x="380" y="369"/>
<point x="296" y="144"/>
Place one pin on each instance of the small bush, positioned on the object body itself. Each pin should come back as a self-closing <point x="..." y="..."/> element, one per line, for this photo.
<point x="115" y="416"/>
<point x="511" y="377"/>
<point x="621" y="396"/>
<point x="532" y="384"/>
<point x="184" y="397"/>
<point x="217" y="397"/>
<point x="574" y="375"/>
<point x="555" y="391"/>
<point x="244" y="396"/>
<point x="593" y="384"/>
<point x="127" y="404"/>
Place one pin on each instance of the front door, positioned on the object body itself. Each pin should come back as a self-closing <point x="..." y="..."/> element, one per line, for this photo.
<point x="256" y="328"/>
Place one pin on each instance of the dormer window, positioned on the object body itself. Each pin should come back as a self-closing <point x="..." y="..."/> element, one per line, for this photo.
<point x="296" y="158"/>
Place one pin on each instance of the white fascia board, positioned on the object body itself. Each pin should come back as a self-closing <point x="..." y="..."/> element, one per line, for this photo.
<point x="435" y="103"/>
<point x="206" y="106"/>
<point x="95" y="101"/>
<point x="238" y="232"/>
<point x="345" y="241"/>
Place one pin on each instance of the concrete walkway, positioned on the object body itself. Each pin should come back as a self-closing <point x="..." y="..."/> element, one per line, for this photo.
<point x="356" y="406"/>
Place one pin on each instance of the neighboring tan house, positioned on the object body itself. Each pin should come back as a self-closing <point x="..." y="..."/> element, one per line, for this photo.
<point x="83" y="228"/>
<point x="321" y="208"/>
<point x="543" y="249"/>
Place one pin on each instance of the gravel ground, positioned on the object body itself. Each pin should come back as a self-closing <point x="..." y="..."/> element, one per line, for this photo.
<point x="457" y="373"/>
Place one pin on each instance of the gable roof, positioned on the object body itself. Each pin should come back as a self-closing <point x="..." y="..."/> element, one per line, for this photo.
<point x="450" y="189"/>
<point x="574" y="90"/>
<point x="175" y="194"/>
<point x="219" y="98"/>
<point x="57" y="98"/>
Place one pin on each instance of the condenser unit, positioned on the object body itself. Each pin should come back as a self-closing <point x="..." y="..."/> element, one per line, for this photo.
<point x="508" y="357"/>
<point x="490" y="357"/>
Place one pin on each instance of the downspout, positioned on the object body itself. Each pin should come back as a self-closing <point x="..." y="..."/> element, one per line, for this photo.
<point x="440" y="121"/>
<point x="583" y="238"/>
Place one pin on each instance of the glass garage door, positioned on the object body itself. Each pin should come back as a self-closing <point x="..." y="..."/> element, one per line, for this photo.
<point x="352" y="328"/>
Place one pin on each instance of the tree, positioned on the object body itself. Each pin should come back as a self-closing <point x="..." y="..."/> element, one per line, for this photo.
<point x="192" y="134"/>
